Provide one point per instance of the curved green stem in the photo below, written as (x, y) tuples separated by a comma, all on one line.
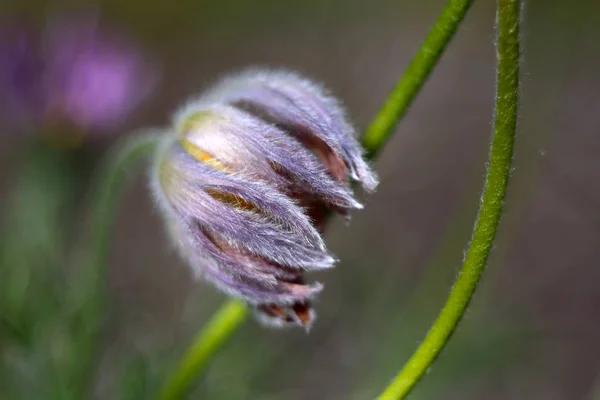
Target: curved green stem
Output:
[(110, 182), (87, 298), (209, 340), (374, 139), (490, 208), (417, 72)]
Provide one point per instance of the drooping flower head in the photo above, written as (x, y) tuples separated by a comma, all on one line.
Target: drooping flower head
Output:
[(245, 180)]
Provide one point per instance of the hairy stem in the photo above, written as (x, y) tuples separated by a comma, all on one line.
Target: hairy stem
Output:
[(374, 139), (87, 300), (490, 208), (417, 72), (209, 340)]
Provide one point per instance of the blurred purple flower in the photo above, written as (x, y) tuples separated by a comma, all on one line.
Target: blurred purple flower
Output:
[(93, 77), (74, 72)]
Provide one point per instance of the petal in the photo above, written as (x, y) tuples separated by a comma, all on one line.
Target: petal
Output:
[(300, 313), (235, 279), (279, 231), (305, 109), (242, 143)]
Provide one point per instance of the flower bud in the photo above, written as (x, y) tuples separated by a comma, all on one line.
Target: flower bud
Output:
[(245, 180)]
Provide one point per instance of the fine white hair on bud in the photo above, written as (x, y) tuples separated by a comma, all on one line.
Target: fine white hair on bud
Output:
[(245, 178)]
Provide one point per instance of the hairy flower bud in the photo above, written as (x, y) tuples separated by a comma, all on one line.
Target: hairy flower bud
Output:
[(245, 180)]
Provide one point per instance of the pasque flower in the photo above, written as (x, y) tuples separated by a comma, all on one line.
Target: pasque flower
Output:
[(244, 180), (71, 71), (94, 77)]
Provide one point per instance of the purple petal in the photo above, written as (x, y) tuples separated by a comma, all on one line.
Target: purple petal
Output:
[(256, 289), (303, 107), (255, 149), (287, 238)]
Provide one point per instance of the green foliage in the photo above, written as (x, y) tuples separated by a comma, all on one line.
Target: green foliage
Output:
[(31, 269), (50, 323)]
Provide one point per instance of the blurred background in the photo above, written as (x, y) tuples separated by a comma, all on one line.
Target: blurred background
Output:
[(532, 330)]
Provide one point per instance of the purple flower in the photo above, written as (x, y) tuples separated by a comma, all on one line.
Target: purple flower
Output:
[(244, 179), (94, 78), (74, 72)]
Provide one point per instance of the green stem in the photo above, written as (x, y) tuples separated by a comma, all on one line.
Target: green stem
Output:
[(374, 139), (87, 297), (490, 208), (209, 340), (118, 166), (417, 72)]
